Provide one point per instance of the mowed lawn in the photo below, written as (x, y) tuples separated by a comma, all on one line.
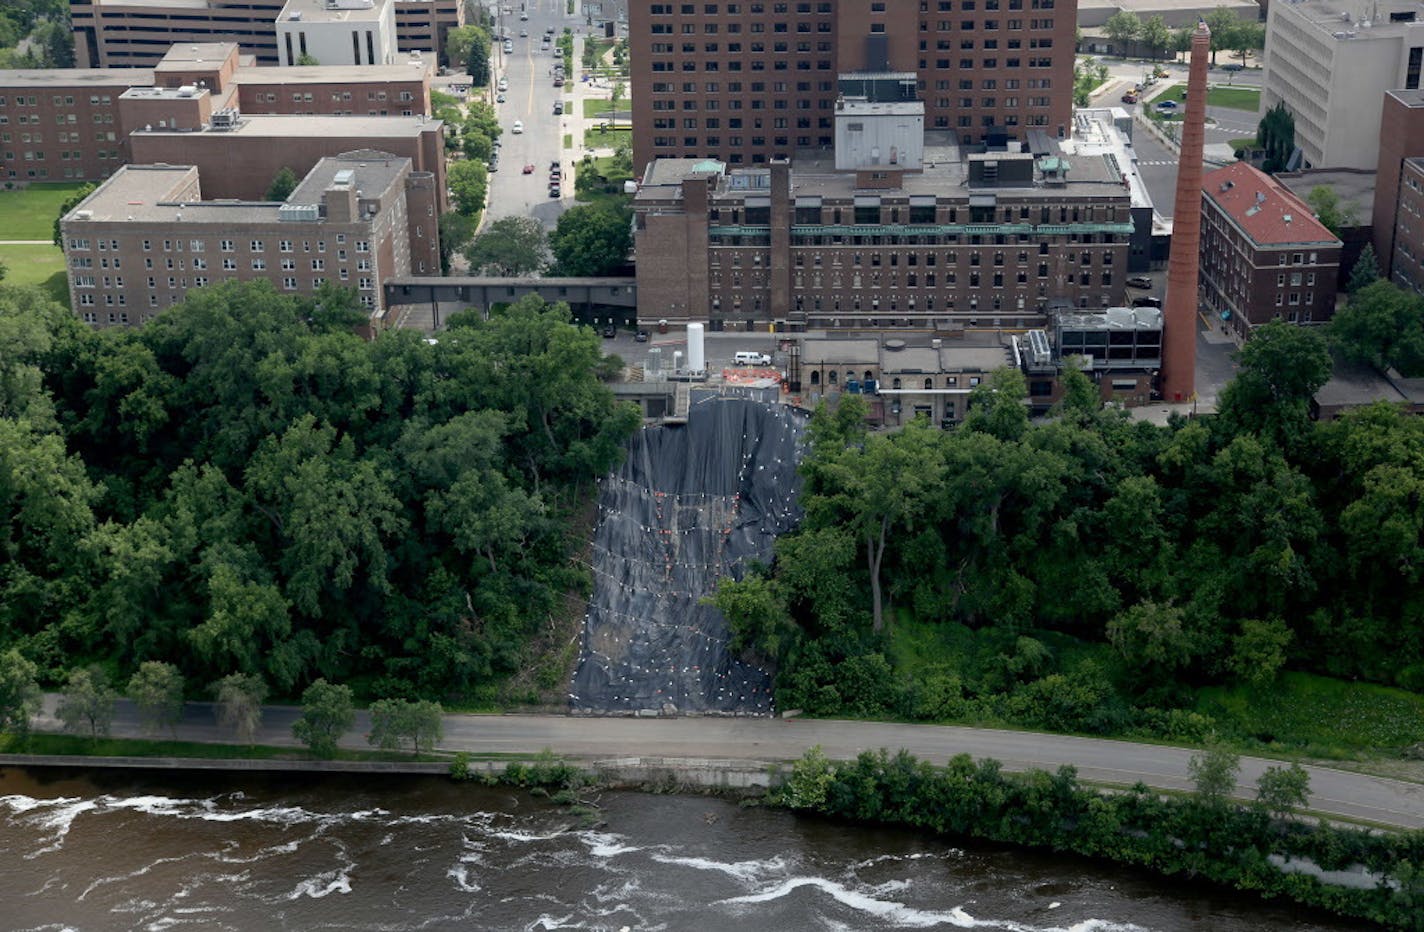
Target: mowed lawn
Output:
[(36, 265), (28, 213), (1236, 98)]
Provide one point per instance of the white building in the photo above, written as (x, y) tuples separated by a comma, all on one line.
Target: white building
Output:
[(1331, 62), (337, 32)]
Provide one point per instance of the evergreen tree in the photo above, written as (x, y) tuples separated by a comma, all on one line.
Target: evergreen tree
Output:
[(1365, 271)]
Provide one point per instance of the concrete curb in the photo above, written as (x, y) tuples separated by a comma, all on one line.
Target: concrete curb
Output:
[(217, 763)]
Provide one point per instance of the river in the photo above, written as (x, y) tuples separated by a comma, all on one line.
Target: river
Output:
[(158, 851)]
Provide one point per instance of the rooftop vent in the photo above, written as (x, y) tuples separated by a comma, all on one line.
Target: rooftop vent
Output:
[(1227, 185), (1287, 218)]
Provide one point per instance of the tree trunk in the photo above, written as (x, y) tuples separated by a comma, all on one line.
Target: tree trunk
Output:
[(874, 553)]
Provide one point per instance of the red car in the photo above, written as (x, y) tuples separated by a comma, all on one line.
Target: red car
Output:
[(529, 169)]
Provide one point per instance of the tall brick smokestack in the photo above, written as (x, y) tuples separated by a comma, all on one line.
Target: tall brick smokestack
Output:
[(1179, 339)]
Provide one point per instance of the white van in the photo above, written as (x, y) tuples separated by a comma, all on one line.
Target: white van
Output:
[(749, 358)]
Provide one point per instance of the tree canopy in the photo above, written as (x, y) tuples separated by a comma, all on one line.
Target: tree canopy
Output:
[(511, 246), (243, 486), (591, 240)]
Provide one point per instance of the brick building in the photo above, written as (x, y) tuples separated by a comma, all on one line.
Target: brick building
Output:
[(137, 33), (146, 236), (962, 240), (1401, 138), (749, 80), (75, 123), (1264, 256)]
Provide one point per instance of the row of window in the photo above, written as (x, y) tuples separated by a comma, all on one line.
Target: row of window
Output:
[(364, 283), (804, 87), (823, 7), (22, 100), (227, 245), (931, 280)]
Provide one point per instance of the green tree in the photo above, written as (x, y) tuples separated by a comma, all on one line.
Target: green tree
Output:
[(20, 696), (1123, 27), (1326, 206), (156, 690), (468, 181), (1282, 366), (1259, 650), (1156, 36), (282, 186), (307, 60), (756, 615), (396, 720), (1365, 271), (4, 270), (239, 704), (1382, 325), (1248, 37), (591, 240), (1213, 773), (1223, 25), (69, 204), (996, 405), (87, 703), (477, 62), (1281, 791), (1182, 39), (510, 247), (327, 713), (1153, 637), (1275, 134), (456, 231), (458, 43)]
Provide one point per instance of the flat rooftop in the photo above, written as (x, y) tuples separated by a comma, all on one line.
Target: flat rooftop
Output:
[(303, 125), (372, 174), (184, 55), (1113, 318), (1355, 187), (75, 77), (1360, 21), (333, 11), (975, 352)]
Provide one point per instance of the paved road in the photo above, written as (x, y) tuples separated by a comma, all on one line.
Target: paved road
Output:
[(1334, 792)]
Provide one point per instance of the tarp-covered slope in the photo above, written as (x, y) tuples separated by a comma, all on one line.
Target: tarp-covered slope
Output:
[(690, 504)]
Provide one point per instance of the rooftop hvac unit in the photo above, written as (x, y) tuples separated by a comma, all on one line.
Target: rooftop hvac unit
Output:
[(1039, 353), (223, 119)]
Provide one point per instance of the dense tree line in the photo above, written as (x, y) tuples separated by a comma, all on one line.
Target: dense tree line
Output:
[(1215, 550), (1203, 836), (243, 486)]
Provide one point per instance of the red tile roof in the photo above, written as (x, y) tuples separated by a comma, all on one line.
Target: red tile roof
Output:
[(1260, 205)]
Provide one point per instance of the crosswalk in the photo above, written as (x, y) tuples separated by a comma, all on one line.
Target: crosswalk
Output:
[(1159, 162)]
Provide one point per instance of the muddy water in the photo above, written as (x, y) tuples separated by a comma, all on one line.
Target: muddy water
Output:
[(211, 851)]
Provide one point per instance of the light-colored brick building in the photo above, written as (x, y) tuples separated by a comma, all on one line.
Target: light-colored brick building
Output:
[(75, 123), (146, 236)]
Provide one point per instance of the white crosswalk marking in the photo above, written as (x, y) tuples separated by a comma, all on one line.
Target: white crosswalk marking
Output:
[(1160, 162)]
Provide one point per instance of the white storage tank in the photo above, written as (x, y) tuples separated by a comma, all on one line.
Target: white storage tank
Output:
[(677, 360), (696, 352)]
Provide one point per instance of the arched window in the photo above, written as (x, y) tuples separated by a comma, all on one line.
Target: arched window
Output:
[(869, 375), (815, 377), (832, 377), (895, 383), (929, 383)]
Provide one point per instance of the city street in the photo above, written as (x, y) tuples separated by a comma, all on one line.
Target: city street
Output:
[(530, 100)]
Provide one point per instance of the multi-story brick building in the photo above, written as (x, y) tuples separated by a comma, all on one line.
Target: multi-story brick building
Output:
[(75, 123), (959, 240), (146, 237), (1264, 256), (1406, 263), (137, 33), (748, 80)]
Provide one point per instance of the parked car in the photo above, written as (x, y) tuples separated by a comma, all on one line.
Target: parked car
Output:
[(641, 336), (609, 332), (558, 108), (1166, 105), (1139, 281), (523, 33), (1234, 66), (529, 169), (558, 82), (503, 85), (524, 17), (508, 47), (500, 98), (750, 358), (555, 191), (1146, 301), (517, 128)]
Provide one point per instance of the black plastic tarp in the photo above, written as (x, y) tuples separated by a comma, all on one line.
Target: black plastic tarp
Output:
[(690, 505)]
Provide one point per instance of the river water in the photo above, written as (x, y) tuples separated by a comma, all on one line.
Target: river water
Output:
[(159, 851)]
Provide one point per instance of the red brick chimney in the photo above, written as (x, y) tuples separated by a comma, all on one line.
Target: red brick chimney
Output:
[(1179, 338)]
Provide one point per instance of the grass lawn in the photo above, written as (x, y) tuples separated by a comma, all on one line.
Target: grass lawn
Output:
[(607, 139), (1245, 142), (29, 212), (1237, 98), (592, 108), (1319, 716), (37, 265), (602, 166), (568, 140)]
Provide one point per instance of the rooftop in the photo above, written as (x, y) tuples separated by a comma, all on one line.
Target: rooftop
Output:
[(184, 55), (1264, 209), (57, 78), (405, 70), (1353, 186), (983, 352), (372, 173), (858, 106), (1112, 318), (302, 125), (332, 11), (1360, 20)]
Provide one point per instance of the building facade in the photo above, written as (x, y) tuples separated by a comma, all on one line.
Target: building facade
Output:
[(146, 237), (1406, 262), (966, 241), (743, 82), (138, 33), (1264, 256), (337, 32), (1401, 138), (1331, 62), (75, 123)]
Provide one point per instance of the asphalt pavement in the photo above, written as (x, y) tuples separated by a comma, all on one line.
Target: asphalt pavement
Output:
[(1333, 792)]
